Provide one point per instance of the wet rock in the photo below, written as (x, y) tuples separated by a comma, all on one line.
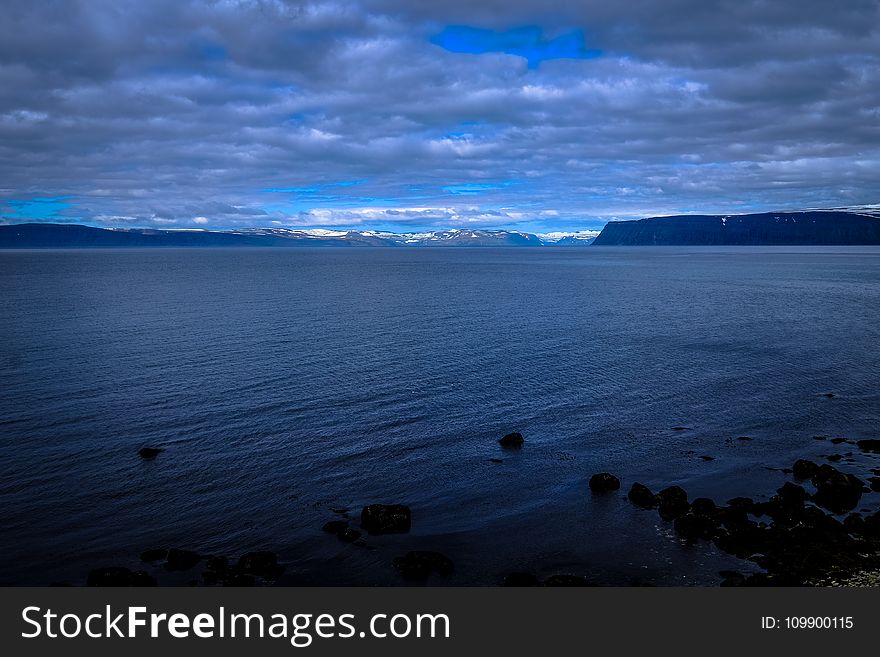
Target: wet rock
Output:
[(743, 503), (836, 491), (869, 445), (419, 564), (261, 564), (672, 502), (348, 535), (837, 441), (854, 523), (117, 576), (157, 554), (217, 564), (341, 511), (804, 469), (181, 559), (514, 439), (834, 458), (734, 518), (792, 494), (703, 506), (566, 580), (496, 460), (875, 484), (744, 438), (604, 482), (641, 496), (149, 453), (680, 428), (830, 395), (521, 579), (693, 527), (872, 525), (706, 457), (335, 527), (386, 518)]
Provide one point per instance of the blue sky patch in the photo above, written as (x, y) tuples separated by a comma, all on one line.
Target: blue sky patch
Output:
[(528, 42)]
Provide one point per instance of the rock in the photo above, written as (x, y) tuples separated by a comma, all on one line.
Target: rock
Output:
[(217, 564), (641, 496), (672, 502), (386, 518), (869, 445), (744, 438), (514, 439), (157, 554), (836, 491), (341, 511), (834, 458), (521, 579), (604, 482), (830, 395), (566, 580), (854, 523), (261, 564), (792, 494), (496, 460), (875, 484), (703, 506), (692, 527), (335, 527), (181, 559), (837, 441), (872, 525), (117, 576), (744, 503), (418, 564), (706, 457), (348, 535), (804, 469), (679, 428), (149, 453)]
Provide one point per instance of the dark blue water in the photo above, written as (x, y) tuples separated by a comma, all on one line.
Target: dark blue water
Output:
[(285, 383)]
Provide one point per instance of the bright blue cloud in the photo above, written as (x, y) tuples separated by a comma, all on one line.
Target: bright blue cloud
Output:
[(527, 42), (41, 208)]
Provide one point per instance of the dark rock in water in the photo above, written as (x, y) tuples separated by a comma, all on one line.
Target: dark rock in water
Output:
[(837, 441), (703, 506), (804, 469), (386, 518), (680, 428), (820, 437), (872, 525), (604, 482), (641, 496), (869, 445), (706, 457), (830, 395), (514, 439), (744, 503), (261, 564), (418, 564), (116, 576), (348, 535), (566, 580), (744, 437), (875, 484), (673, 502), (157, 554), (854, 523), (733, 518), (834, 458), (792, 494), (692, 527), (836, 491), (335, 527), (217, 564), (496, 460), (521, 579), (340, 511), (149, 453), (181, 559)]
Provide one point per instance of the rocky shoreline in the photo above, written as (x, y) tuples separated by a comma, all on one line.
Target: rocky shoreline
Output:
[(810, 533)]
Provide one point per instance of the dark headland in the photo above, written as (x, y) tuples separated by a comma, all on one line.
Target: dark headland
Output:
[(819, 227)]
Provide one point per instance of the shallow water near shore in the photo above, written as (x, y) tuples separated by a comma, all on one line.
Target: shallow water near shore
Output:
[(284, 384)]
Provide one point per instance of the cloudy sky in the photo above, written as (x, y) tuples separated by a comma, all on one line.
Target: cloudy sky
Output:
[(400, 114)]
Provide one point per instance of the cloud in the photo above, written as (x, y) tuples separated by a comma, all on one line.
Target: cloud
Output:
[(393, 113)]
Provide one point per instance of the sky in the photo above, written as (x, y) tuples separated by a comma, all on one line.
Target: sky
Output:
[(402, 115)]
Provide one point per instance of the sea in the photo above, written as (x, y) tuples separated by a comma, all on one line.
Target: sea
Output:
[(290, 387)]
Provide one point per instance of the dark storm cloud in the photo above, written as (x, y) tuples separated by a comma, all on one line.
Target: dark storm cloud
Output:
[(241, 112)]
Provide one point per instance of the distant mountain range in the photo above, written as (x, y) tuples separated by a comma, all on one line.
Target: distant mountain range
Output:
[(34, 236), (856, 226), (839, 226)]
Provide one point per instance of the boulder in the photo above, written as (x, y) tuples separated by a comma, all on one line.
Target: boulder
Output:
[(386, 518), (792, 495), (836, 491), (672, 502), (149, 453), (869, 445), (641, 496), (181, 559), (335, 527), (514, 439), (692, 527), (348, 535), (804, 469), (604, 482), (261, 564), (703, 506), (156, 554)]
